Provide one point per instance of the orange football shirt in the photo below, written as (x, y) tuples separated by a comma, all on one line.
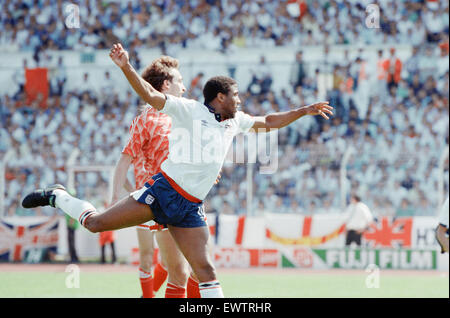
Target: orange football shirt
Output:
[(148, 144)]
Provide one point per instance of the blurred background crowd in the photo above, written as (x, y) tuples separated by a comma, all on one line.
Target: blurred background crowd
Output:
[(37, 25), (392, 111)]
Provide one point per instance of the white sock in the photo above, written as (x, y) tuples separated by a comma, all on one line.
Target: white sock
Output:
[(75, 208), (143, 274), (210, 289)]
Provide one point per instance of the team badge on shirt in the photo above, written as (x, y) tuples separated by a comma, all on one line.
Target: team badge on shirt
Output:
[(149, 199)]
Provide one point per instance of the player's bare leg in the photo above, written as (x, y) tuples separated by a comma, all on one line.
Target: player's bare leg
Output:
[(192, 289), (146, 248), (176, 265), (193, 243), (125, 213), (146, 251)]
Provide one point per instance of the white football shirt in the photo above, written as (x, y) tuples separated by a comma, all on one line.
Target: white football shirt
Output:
[(198, 143), (443, 215), (359, 216)]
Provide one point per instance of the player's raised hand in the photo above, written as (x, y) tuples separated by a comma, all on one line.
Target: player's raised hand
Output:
[(119, 55), (322, 109)]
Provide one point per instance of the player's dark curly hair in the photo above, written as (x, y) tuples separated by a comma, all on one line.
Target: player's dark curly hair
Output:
[(216, 85), (159, 71)]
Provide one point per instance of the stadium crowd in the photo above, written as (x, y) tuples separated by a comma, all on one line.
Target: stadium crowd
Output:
[(36, 25), (392, 112)]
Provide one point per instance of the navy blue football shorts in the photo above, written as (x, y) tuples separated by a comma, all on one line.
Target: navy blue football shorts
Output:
[(169, 203)]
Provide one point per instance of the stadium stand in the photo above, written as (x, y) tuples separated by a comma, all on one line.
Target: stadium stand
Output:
[(390, 88)]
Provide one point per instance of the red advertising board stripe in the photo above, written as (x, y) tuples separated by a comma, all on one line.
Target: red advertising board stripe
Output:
[(20, 231), (246, 257), (18, 247), (240, 230), (254, 257), (17, 253), (306, 226)]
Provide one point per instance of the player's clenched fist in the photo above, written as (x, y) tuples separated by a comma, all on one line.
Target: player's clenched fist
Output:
[(119, 55)]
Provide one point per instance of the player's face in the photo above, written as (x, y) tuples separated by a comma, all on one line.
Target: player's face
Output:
[(176, 86), (231, 103)]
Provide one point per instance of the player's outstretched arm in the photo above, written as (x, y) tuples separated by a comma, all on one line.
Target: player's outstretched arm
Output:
[(282, 119), (146, 91)]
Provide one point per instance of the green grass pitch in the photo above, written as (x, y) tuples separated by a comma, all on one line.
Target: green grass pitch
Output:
[(282, 283)]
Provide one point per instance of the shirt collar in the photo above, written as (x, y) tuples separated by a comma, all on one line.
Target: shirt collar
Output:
[(213, 111)]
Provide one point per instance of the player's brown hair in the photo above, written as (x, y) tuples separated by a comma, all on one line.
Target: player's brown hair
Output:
[(159, 71)]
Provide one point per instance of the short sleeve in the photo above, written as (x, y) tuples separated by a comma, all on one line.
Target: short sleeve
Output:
[(178, 108), (245, 122)]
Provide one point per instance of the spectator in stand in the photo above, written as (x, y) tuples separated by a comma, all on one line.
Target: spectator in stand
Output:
[(58, 78), (298, 71), (434, 23), (86, 86), (362, 93), (427, 64), (393, 68), (261, 77), (378, 78), (412, 63), (183, 23), (19, 79)]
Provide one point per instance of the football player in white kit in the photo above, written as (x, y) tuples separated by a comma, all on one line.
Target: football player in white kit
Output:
[(174, 196)]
